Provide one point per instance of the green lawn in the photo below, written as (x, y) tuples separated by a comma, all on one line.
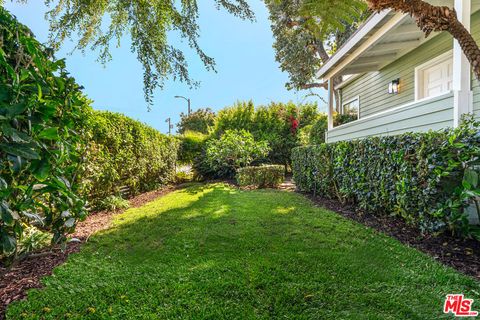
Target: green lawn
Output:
[(213, 252)]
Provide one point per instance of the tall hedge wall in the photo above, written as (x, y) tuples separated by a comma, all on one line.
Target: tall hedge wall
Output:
[(55, 152), (40, 105), (423, 178), (123, 152)]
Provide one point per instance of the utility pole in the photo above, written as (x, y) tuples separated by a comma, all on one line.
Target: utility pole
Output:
[(170, 126), (188, 101)]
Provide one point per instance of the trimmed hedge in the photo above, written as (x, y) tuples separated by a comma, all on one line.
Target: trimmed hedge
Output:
[(425, 178), (123, 152), (55, 151), (262, 176), (191, 146)]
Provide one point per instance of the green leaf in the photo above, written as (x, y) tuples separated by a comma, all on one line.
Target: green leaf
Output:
[(8, 243), (43, 170), (15, 110), (70, 223), (471, 176), (20, 150), (49, 134), (3, 184)]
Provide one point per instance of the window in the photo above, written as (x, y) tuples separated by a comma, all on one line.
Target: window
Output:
[(434, 77), (351, 108)]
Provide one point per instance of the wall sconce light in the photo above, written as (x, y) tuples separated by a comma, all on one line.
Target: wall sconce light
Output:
[(394, 87)]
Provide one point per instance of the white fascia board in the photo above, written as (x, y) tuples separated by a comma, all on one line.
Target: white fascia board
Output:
[(357, 37)]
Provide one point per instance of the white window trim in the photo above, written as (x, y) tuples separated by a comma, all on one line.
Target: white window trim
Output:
[(418, 74), (350, 101)]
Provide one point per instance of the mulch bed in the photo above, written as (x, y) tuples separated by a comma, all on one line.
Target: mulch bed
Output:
[(26, 274), (463, 255)]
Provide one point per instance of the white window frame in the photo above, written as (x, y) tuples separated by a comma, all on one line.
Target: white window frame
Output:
[(350, 101), (419, 74)]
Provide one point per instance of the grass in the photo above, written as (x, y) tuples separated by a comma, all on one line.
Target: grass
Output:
[(213, 252)]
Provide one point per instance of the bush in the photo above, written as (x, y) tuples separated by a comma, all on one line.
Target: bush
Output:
[(55, 151), (317, 133), (277, 123), (421, 177), (126, 153), (40, 151), (261, 177), (235, 149), (114, 203), (198, 121), (191, 146)]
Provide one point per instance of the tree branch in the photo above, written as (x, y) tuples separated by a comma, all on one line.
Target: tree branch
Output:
[(323, 85)]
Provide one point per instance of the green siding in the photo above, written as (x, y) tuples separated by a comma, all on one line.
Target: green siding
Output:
[(475, 82), (433, 114), (372, 87)]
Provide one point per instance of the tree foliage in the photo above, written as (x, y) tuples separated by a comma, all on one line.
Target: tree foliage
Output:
[(55, 151), (307, 33), (150, 25), (200, 121)]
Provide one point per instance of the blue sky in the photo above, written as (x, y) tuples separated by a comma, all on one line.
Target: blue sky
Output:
[(243, 52)]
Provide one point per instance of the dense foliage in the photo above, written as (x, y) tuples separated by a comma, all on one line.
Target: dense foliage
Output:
[(40, 105), (233, 150), (425, 178), (316, 133), (307, 33), (277, 123), (56, 152), (123, 152), (266, 176), (191, 146), (200, 121)]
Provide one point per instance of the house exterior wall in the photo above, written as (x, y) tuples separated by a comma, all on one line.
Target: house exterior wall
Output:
[(434, 114), (378, 109), (475, 82), (372, 87)]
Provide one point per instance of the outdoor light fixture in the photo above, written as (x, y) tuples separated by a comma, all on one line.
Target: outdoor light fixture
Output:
[(394, 87)]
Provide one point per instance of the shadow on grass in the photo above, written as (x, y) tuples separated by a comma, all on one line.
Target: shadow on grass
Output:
[(212, 252)]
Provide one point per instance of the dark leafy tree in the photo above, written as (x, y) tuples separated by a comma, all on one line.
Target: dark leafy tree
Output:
[(306, 35)]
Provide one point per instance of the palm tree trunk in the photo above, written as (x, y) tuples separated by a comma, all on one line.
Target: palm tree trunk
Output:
[(432, 18)]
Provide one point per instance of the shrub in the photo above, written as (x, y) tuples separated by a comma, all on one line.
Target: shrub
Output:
[(235, 149), (55, 151), (39, 149), (199, 121), (317, 133), (277, 123), (421, 177), (262, 176), (124, 152), (191, 145), (114, 203), (33, 239)]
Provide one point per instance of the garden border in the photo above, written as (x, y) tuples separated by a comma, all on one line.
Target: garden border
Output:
[(461, 254), (27, 273)]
